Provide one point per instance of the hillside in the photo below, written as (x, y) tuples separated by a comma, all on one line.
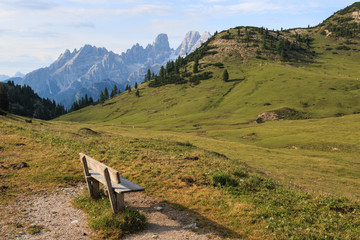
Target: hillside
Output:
[(312, 74), (300, 74), (23, 101)]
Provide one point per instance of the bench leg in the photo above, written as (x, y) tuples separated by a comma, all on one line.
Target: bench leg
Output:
[(120, 204), (111, 192), (95, 189)]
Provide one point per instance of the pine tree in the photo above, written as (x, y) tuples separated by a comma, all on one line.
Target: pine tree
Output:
[(137, 93), (196, 66), (148, 75), (4, 99), (225, 75), (86, 101), (162, 73), (136, 85), (114, 91), (106, 93), (102, 97)]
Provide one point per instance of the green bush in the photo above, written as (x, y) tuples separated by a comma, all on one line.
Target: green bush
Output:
[(224, 180)]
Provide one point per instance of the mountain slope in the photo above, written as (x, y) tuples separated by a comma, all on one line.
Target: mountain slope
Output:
[(23, 101), (76, 73), (81, 69)]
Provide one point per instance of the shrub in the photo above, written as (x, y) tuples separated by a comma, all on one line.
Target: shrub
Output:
[(224, 180)]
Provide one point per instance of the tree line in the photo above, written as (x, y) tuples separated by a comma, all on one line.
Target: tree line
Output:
[(87, 101), (168, 74), (23, 101)]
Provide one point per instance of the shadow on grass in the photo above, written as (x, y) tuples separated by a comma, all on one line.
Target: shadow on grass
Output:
[(236, 80)]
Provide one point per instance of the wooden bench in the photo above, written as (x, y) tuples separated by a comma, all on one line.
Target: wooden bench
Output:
[(97, 172)]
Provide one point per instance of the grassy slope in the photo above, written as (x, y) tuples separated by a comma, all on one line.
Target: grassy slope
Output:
[(325, 88), (248, 206), (215, 114)]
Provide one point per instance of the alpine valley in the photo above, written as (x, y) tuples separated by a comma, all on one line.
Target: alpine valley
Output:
[(255, 134)]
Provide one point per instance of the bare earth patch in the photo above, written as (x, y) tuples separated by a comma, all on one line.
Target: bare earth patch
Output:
[(165, 222), (52, 216)]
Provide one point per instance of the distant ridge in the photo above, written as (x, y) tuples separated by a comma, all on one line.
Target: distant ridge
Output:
[(90, 69)]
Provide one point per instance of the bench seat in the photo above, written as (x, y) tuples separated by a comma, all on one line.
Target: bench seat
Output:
[(124, 186)]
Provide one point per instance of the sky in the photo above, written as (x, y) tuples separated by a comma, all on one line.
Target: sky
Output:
[(33, 33)]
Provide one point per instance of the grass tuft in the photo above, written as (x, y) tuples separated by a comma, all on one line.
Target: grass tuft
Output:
[(34, 229), (224, 180), (107, 224)]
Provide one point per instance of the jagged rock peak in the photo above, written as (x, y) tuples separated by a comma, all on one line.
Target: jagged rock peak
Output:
[(191, 41), (204, 37), (88, 49), (162, 42)]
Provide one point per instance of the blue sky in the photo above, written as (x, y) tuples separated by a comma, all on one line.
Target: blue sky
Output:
[(33, 33)]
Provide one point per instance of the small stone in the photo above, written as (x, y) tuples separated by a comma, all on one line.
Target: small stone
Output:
[(84, 234), (19, 165), (155, 236), (158, 208), (75, 222), (191, 226)]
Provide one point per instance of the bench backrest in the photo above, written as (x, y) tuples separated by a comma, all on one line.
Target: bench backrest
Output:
[(100, 167)]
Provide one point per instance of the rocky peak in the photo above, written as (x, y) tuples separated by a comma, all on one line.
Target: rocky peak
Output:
[(161, 43), (204, 37), (191, 41)]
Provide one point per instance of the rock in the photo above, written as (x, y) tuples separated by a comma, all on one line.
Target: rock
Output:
[(3, 167), (75, 222), (3, 188), (191, 226), (155, 236), (267, 116), (158, 208), (191, 42), (19, 165)]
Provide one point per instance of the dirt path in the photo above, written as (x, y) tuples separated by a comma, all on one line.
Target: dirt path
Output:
[(58, 219), (55, 215)]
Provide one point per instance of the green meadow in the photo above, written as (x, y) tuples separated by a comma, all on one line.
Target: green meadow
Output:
[(199, 147)]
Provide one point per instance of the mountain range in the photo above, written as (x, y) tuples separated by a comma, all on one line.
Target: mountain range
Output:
[(90, 69), (17, 76)]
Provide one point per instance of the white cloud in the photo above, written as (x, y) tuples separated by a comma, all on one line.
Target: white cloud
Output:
[(82, 25), (28, 4)]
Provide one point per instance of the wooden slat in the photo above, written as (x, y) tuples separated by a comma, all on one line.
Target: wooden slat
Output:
[(100, 167), (123, 187)]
